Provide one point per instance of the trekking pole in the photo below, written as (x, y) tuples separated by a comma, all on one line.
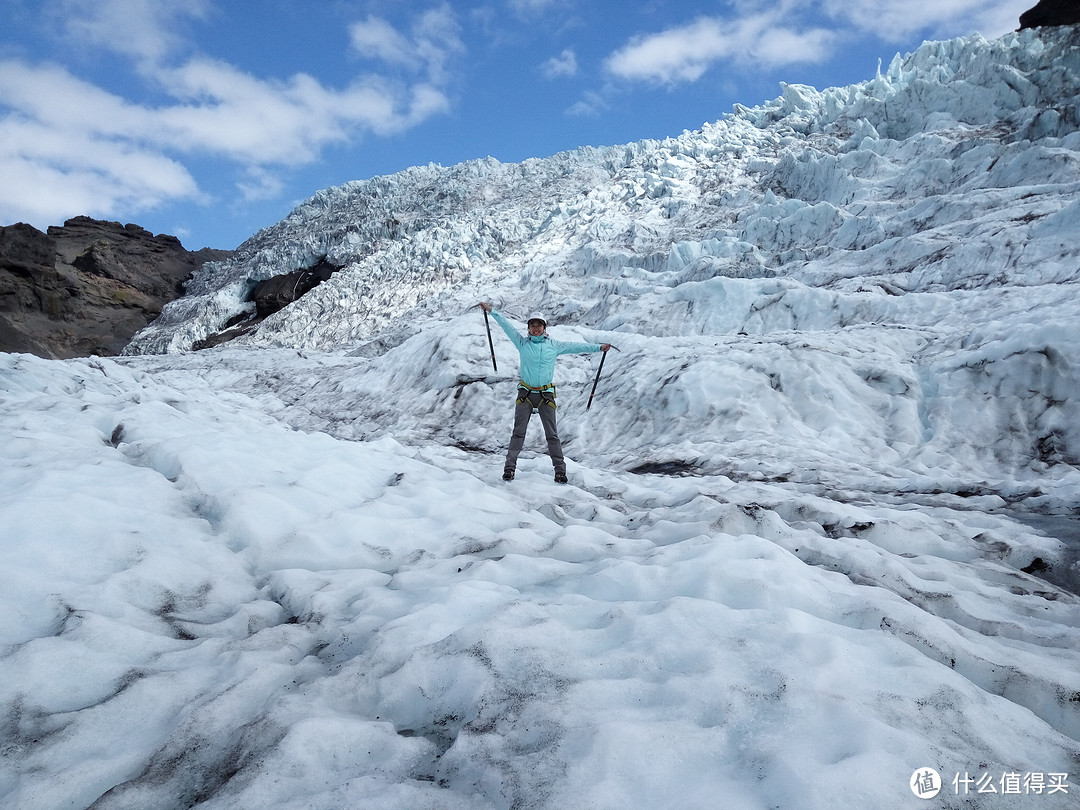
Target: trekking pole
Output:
[(491, 344), (597, 380)]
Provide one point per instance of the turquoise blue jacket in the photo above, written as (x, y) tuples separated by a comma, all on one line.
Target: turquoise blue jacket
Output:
[(538, 354)]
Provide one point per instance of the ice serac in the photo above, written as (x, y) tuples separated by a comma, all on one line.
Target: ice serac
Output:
[(896, 256), (945, 171)]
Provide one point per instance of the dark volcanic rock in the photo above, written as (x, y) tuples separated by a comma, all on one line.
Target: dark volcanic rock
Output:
[(1051, 12), (87, 287), (270, 296), (278, 292)]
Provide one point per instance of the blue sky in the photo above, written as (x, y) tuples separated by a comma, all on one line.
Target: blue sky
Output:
[(211, 119)]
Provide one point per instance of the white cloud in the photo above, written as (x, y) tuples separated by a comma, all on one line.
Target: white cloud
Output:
[(375, 38), (533, 7), (438, 39), (685, 53), (428, 48), (591, 104), (257, 122), (259, 184), (147, 30), (70, 146), (782, 34), (895, 20), (786, 47), (48, 173), (52, 97), (563, 65)]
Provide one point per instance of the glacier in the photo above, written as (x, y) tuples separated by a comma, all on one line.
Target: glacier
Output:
[(823, 526)]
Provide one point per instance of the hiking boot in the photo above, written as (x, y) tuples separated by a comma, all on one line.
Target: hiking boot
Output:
[(560, 478), (508, 475)]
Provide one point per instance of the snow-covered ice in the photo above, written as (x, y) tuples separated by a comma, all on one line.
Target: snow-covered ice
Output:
[(205, 607), (822, 526)]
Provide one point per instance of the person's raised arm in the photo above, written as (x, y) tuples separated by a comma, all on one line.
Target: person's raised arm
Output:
[(506, 326), (580, 348)]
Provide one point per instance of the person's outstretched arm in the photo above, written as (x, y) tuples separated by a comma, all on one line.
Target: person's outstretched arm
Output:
[(580, 348), (507, 327)]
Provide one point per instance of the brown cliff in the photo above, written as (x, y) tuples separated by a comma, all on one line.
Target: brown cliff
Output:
[(87, 287)]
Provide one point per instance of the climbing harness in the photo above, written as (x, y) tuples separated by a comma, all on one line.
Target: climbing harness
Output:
[(536, 395)]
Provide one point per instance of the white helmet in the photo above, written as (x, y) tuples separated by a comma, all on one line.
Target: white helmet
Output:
[(537, 317)]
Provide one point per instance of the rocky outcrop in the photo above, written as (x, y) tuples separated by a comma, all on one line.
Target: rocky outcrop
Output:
[(270, 296), (87, 287), (1051, 12), (278, 292)]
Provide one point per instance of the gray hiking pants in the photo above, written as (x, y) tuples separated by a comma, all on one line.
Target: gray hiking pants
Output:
[(545, 405)]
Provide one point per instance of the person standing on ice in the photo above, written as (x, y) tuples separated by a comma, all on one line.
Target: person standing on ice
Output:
[(536, 390)]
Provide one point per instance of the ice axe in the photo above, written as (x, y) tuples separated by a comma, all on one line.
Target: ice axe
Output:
[(597, 380), (491, 343)]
